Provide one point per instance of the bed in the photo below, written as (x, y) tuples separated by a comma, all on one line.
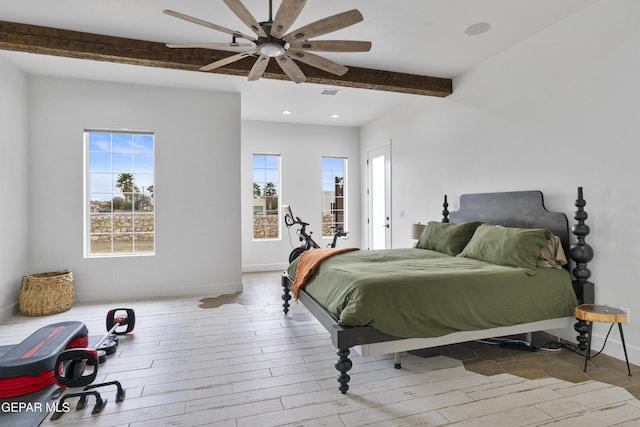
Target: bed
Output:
[(454, 288)]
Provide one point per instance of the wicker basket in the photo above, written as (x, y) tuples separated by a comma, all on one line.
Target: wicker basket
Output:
[(47, 293)]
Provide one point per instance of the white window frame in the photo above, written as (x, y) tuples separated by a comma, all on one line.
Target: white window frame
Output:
[(147, 197), (328, 234), (278, 195)]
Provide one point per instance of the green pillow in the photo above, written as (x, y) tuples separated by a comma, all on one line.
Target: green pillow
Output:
[(447, 238), (514, 247)]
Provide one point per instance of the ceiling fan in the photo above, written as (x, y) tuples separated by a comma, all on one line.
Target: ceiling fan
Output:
[(273, 40)]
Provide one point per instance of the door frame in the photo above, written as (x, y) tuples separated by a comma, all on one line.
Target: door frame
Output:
[(384, 150)]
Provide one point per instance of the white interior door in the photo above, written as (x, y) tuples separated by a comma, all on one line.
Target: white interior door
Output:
[(379, 198)]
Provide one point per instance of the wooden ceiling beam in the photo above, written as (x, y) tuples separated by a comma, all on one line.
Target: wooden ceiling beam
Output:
[(74, 44)]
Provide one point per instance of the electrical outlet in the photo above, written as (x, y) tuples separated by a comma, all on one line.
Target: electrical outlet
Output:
[(628, 311)]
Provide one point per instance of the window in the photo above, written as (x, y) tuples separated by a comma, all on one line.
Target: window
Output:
[(266, 192), (333, 195), (119, 193)]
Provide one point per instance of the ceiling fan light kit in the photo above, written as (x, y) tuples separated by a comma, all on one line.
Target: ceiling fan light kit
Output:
[(273, 41), (271, 49)]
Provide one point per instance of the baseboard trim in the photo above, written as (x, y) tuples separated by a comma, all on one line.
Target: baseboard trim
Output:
[(8, 311), (203, 290), (258, 268)]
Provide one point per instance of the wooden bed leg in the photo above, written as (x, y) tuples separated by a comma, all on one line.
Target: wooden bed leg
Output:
[(396, 361), (286, 294), (445, 211), (343, 365), (581, 253)]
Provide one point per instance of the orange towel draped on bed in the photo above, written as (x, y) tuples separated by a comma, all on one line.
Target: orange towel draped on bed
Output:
[(309, 262)]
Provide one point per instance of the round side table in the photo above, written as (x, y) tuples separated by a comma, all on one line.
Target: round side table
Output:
[(605, 314)]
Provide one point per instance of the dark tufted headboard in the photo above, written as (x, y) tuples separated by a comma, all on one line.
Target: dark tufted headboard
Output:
[(523, 209)]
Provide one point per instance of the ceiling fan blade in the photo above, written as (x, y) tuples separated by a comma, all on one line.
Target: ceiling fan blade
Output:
[(332, 45), (326, 25), (291, 69), (317, 61), (207, 45), (286, 16), (245, 16), (258, 68), (227, 60), (207, 24)]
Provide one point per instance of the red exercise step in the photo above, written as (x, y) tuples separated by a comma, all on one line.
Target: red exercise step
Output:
[(28, 367)]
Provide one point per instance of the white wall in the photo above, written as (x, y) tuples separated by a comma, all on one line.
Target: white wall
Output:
[(301, 148), (14, 148), (197, 183), (555, 112)]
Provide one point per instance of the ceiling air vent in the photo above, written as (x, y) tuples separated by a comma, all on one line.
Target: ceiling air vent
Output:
[(331, 92)]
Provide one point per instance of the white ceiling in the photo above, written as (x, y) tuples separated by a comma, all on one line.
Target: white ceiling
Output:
[(425, 37)]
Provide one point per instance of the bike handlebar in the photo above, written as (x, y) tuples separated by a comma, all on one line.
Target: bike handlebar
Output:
[(301, 222)]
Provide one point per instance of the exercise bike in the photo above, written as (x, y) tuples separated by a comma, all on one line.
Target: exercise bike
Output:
[(306, 240)]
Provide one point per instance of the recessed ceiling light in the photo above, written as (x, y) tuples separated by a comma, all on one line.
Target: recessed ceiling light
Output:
[(335, 116), (286, 112), (477, 29)]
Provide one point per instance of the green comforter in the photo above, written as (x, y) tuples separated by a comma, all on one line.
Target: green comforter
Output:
[(418, 293)]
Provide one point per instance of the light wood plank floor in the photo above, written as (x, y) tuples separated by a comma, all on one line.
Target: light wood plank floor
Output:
[(238, 361)]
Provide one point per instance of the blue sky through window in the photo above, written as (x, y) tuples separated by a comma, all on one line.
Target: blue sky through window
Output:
[(266, 169), (112, 154), (331, 167)]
